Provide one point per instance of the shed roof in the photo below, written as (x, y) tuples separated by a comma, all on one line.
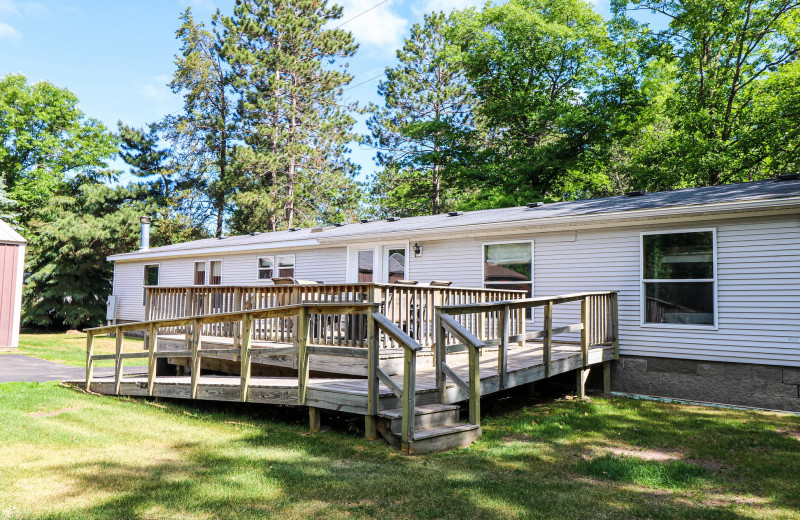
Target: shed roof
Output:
[(709, 199), (9, 236)]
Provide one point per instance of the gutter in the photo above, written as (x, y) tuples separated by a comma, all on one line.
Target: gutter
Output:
[(154, 254)]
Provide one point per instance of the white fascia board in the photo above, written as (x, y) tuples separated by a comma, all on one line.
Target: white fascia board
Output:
[(724, 210), (154, 255)]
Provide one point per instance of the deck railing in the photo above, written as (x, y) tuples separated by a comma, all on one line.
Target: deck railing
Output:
[(303, 347), (597, 324), (409, 307)]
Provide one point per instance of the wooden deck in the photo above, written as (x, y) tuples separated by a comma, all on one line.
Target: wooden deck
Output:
[(525, 365), (488, 352)]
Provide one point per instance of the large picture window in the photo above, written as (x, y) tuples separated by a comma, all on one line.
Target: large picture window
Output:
[(509, 266), (679, 278)]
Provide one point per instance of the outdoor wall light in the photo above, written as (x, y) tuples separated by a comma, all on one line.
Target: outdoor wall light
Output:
[(417, 249)]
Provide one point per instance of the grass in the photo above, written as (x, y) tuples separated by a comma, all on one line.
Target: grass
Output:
[(70, 349), (65, 454)]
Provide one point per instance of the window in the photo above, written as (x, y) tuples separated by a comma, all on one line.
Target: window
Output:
[(150, 279), (509, 266), (199, 273), (396, 268), (151, 275), (679, 278), (286, 266), (216, 272), (265, 267), (366, 265)]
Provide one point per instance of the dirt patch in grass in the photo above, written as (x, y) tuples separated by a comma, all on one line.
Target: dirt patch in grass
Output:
[(789, 433), (54, 413), (660, 455)]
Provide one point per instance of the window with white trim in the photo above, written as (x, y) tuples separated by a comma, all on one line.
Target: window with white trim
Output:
[(266, 267), (285, 265), (200, 273), (679, 278), (509, 266)]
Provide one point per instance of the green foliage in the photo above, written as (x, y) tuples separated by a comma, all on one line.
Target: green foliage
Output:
[(531, 64), (732, 112), (85, 223), (287, 71), (44, 136), (6, 204), (424, 133)]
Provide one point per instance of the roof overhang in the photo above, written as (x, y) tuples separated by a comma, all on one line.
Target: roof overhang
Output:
[(723, 210)]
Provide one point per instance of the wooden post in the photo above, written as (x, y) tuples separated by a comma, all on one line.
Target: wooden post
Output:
[(314, 419), (148, 304), (547, 345), (152, 336), (474, 386), (440, 357), (89, 360), (237, 306), (245, 356), (481, 330), (615, 324), (409, 400), (196, 359), (502, 350), (585, 331), (188, 310), (583, 375), (118, 361), (373, 359), (301, 342), (438, 298), (606, 377)]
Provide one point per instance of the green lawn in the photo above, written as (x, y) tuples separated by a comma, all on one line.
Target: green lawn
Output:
[(65, 454), (70, 349)]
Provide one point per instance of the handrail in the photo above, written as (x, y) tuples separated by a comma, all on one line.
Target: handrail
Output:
[(598, 326), (524, 303), (409, 393)]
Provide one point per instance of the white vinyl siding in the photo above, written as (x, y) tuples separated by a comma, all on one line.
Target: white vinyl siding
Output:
[(758, 283)]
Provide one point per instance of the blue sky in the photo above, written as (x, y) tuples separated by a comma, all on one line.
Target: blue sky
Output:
[(117, 55)]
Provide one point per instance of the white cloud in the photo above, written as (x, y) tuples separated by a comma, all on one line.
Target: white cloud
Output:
[(8, 7), (8, 32), (379, 27), (156, 89)]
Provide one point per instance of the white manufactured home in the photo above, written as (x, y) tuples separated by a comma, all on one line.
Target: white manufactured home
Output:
[(707, 279)]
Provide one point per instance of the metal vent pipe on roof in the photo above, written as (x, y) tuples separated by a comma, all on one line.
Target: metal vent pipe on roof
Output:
[(144, 233)]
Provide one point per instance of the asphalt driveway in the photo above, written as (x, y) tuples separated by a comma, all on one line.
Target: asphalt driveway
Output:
[(15, 367)]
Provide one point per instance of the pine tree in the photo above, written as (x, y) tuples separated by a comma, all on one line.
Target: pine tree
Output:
[(424, 131), (287, 68), (202, 135)]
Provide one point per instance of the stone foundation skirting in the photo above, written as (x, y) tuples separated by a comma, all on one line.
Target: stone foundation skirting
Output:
[(762, 386)]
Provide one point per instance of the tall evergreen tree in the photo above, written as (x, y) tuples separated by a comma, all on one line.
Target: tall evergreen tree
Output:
[(287, 68), (424, 130), (203, 133)]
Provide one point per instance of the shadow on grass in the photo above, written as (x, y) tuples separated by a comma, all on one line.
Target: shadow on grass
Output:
[(531, 463)]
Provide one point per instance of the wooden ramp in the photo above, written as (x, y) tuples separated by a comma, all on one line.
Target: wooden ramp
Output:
[(410, 406)]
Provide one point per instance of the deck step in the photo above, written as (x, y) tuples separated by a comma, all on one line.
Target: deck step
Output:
[(427, 416), (436, 428)]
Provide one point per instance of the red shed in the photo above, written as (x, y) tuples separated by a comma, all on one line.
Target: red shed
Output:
[(12, 262)]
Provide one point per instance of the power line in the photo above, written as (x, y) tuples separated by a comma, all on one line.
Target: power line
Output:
[(363, 82), (361, 14)]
